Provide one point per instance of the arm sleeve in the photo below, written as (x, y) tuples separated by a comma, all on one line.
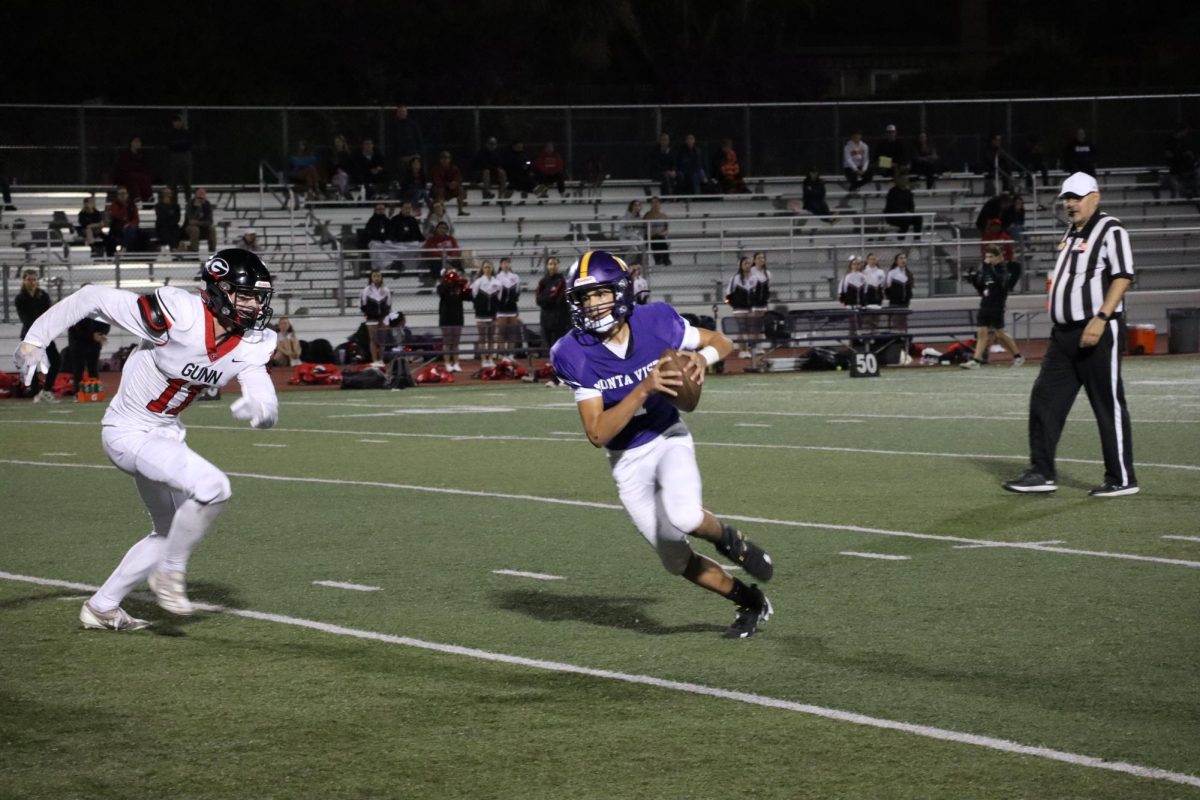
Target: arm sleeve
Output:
[(256, 384), (141, 315), (1120, 255), (847, 161)]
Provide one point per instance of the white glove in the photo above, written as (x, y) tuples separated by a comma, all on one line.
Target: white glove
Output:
[(259, 415), (30, 359)]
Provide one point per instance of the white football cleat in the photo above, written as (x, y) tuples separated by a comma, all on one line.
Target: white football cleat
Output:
[(116, 620), (170, 589)]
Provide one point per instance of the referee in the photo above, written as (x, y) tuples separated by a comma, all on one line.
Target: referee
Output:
[(1092, 273)]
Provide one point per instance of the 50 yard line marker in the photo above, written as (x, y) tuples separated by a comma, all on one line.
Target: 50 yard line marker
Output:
[(926, 731)]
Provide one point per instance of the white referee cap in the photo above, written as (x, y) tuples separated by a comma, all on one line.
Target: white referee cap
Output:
[(1080, 185)]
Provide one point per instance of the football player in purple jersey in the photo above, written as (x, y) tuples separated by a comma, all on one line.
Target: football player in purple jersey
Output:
[(610, 360)]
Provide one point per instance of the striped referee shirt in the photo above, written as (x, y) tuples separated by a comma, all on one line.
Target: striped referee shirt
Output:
[(1088, 260)]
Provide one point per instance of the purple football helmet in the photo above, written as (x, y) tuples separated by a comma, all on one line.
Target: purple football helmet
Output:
[(597, 270)]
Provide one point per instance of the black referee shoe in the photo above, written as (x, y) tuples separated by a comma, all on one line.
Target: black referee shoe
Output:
[(1107, 489), (1031, 481)]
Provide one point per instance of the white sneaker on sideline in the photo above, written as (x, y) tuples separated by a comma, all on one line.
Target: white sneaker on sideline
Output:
[(115, 620), (170, 589), (45, 396), (1018, 360)]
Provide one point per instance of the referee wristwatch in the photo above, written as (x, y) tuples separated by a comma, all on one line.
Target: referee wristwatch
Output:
[(1103, 316)]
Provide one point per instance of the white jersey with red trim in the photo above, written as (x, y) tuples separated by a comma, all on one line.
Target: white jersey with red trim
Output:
[(179, 356)]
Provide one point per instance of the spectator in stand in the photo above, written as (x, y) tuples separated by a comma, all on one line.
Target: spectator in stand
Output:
[(341, 167), (447, 180), (993, 282), (508, 319), (402, 238), (873, 280), (375, 303), (441, 250), (414, 188), (287, 346), (852, 289), (91, 223), (662, 166), (489, 163), (31, 302), (1035, 160), (167, 215), (248, 241), (551, 297), (891, 156), (484, 292), (856, 161), (994, 232), (548, 168), (995, 207), (814, 195), (760, 294), (123, 219), (898, 284), (375, 229), (519, 168), (84, 342), (452, 291), (739, 288), (926, 161), (133, 172), (1079, 155), (729, 171), (198, 219), (657, 233), (437, 215), (593, 178), (1012, 220), (179, 156), (689, 166), (404, 140), (632, 228), (369, 169), (303, 170), (641, 288), (1183, 168), (901, 206)]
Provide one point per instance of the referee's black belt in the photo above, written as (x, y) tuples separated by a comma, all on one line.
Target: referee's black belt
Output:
[(1075, 326)]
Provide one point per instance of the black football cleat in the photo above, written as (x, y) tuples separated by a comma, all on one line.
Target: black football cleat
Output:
[(745, 553), (748, 618), (1110, 489), (1030, 481)]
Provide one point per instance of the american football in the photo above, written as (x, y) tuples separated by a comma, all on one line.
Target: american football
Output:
[(688, 396)]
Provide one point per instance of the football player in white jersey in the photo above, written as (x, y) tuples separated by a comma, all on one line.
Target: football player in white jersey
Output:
[(189, 343)]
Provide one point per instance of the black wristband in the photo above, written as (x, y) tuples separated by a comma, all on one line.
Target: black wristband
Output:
[(1103, 316)]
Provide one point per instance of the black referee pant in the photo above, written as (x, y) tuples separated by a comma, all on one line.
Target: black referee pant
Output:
[(1066, 368)]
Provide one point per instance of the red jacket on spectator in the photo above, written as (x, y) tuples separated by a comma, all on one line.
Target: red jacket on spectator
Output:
[(122, 213), (548, 164), (445, 176), (435, 245)]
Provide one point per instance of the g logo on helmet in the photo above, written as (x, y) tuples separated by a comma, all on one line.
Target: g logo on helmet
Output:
[(217, 268)]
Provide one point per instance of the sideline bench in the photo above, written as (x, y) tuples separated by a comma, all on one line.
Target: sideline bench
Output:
[(421, 345), (860, 329)]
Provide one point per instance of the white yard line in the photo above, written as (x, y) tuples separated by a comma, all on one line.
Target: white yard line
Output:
[(537, 576), (880, 556), (989, 544), (1184, 538), (408, 487), (374, 441), (58, 454), (487, 437), (837, 715), (354, 587), (751, 425), (268, 444)]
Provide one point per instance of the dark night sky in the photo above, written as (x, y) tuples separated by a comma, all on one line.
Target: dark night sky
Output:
[(508, 51)]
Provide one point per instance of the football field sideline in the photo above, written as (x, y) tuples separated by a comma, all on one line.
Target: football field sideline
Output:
[(926, 731)]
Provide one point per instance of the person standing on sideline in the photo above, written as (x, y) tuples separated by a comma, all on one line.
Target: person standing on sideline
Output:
[(898, 283), (32, 302), (1093, 271), (551, 297), (189, 343), (375, 302), (610, 359), (994, 282)]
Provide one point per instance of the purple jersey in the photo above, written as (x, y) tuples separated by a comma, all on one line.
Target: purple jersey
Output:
[(588, 366)]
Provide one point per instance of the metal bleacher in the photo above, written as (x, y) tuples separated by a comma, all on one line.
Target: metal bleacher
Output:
[(310, 245)]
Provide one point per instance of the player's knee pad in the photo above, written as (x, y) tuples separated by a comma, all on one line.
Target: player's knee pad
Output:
[(675, 556), (212, 487)]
